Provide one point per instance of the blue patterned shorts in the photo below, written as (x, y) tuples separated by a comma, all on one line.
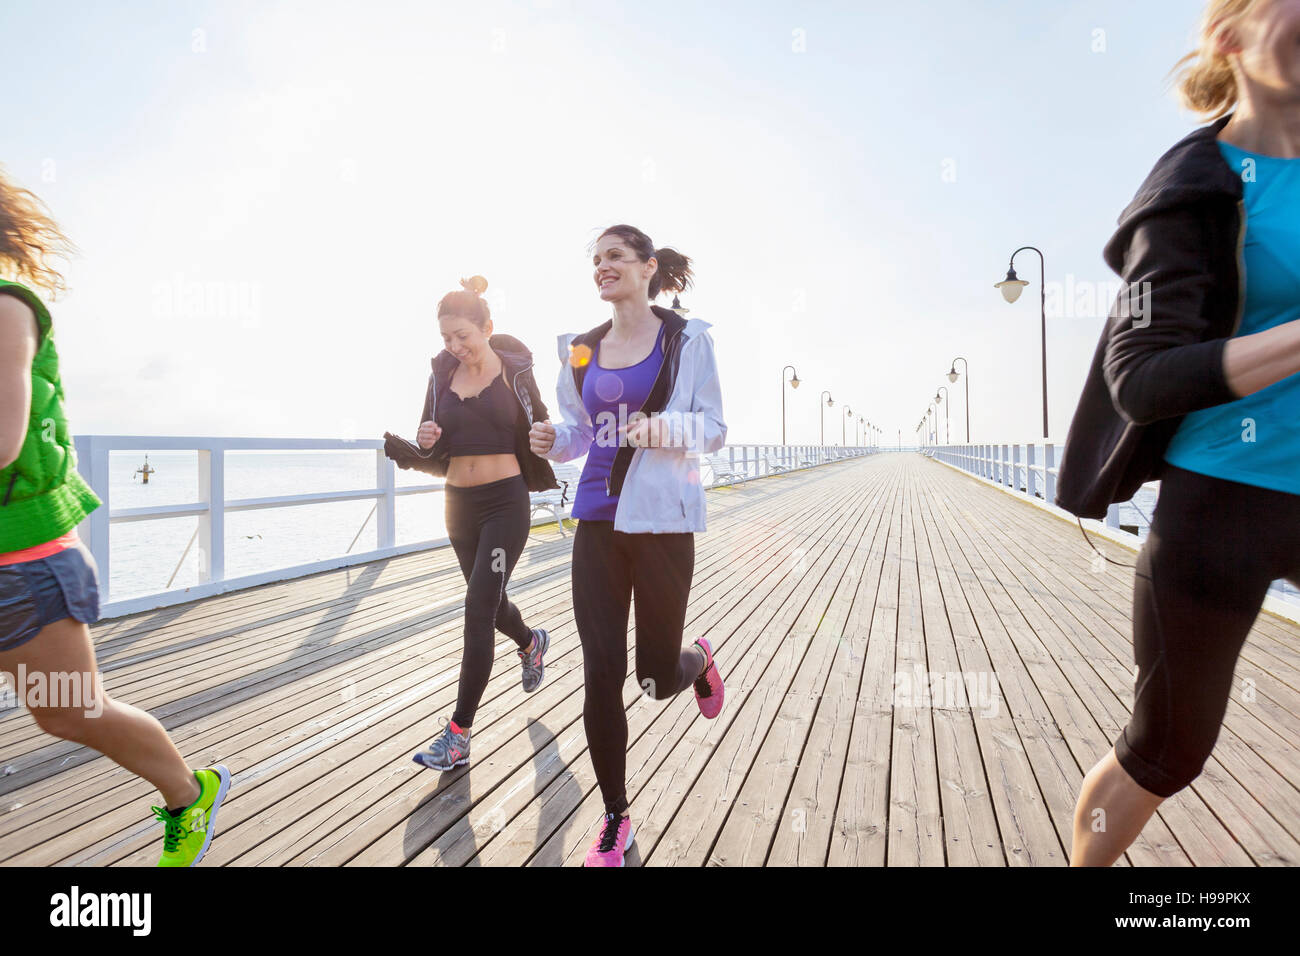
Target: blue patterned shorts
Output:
[(36, 593)]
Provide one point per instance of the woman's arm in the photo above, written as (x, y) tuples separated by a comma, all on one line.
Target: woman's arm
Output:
[(1159, 362), (574, 436), (1254, 362), (18, 333)]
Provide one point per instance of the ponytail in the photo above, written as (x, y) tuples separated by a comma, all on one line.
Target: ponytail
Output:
[(29, 239), (1206, 82)]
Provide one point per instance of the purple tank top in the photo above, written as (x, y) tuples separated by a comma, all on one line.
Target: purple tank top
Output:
[(611, 396)]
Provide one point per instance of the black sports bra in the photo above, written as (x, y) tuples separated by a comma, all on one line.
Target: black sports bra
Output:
[(483, 424)]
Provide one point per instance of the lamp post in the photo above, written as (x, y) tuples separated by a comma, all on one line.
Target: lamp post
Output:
[(830, 403), (844, 438), (953, 375), (947, 414), (1011, 288), (794, 383)]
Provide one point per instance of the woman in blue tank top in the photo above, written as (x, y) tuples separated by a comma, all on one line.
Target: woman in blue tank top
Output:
[(1216, 364)]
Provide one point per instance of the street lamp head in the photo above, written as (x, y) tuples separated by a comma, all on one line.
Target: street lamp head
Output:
[(937, 398), (794, 381), (679, 308), (1011, 286), (953, 375)]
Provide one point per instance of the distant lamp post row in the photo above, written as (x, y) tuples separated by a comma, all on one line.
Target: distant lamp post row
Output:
[(830, 403), (1011, 288)]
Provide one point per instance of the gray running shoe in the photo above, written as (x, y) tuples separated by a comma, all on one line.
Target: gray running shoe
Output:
[(531, 661), (447, 751)]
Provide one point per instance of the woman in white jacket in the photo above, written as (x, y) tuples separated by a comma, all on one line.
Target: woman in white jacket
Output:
[(641, 399)]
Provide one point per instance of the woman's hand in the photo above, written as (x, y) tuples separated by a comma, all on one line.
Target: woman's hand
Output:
[(541, 437), (650, 432), (428, 435)]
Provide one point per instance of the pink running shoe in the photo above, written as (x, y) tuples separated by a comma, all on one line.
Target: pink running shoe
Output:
[(614, 839), (708, 686)]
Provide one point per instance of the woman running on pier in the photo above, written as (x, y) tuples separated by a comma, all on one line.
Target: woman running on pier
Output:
[(639, 500), (479, 404), (1197, 382), (49, 590)]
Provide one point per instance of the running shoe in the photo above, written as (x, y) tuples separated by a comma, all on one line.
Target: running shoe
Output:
[(614, 840), (708, 686), (188, 833), (450, 749), (531, 660)]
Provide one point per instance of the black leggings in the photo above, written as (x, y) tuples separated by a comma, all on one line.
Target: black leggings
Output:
[(608, 568), (488, 526), (1215, 547)]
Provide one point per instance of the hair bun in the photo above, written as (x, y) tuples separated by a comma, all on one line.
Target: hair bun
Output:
[(475, 284)]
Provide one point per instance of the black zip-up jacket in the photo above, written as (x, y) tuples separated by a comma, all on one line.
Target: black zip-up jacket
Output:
[(1183, 234), (518, 364)]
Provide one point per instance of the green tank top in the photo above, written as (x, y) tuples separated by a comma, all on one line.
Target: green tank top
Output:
[(42, 496)]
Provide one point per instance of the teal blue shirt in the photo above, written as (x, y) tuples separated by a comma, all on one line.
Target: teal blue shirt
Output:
[(1256, 440)]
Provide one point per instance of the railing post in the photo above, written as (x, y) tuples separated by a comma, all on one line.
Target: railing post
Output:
[(386, 513), (212, 524), (92, 464), (1015, 467), (1031, 477), (1049, 483)]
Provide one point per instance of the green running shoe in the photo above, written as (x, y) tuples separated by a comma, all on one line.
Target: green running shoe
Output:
[(187, 834)]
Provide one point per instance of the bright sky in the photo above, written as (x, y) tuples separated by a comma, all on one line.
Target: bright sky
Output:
[(269, 198)]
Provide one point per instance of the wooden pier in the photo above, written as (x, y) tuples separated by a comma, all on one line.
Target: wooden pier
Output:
[(816, 588)]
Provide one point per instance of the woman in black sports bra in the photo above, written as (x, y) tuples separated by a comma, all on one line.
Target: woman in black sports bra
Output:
[(478, 408)]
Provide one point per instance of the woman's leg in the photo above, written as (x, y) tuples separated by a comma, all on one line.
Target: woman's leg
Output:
[(467, 518), (602, 595), (124, 734), (509, 525), (1200, 581), (662, 568)]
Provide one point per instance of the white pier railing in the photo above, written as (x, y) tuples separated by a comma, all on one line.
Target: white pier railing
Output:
[(1030, 469), (734, 463)]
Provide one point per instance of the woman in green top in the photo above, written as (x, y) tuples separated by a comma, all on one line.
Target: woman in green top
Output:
[(49, 594)]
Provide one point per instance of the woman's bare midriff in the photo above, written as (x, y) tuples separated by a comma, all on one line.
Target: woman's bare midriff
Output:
[(466, 471)]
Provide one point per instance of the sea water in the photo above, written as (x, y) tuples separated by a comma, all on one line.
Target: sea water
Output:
[(146, 555)]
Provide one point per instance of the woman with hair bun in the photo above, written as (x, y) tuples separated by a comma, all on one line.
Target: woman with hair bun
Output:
[(641, 400), (1196, 381), (49, 584), (479, 404)]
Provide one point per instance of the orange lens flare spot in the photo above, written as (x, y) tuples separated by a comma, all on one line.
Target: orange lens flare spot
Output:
[(579, 355)]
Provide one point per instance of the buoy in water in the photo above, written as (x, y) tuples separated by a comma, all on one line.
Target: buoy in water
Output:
[(145, 470)]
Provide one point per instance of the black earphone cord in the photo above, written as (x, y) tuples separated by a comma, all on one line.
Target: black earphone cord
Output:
[(1095, 548)]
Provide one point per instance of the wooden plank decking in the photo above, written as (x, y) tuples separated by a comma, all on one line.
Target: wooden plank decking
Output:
[(816, 588)]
